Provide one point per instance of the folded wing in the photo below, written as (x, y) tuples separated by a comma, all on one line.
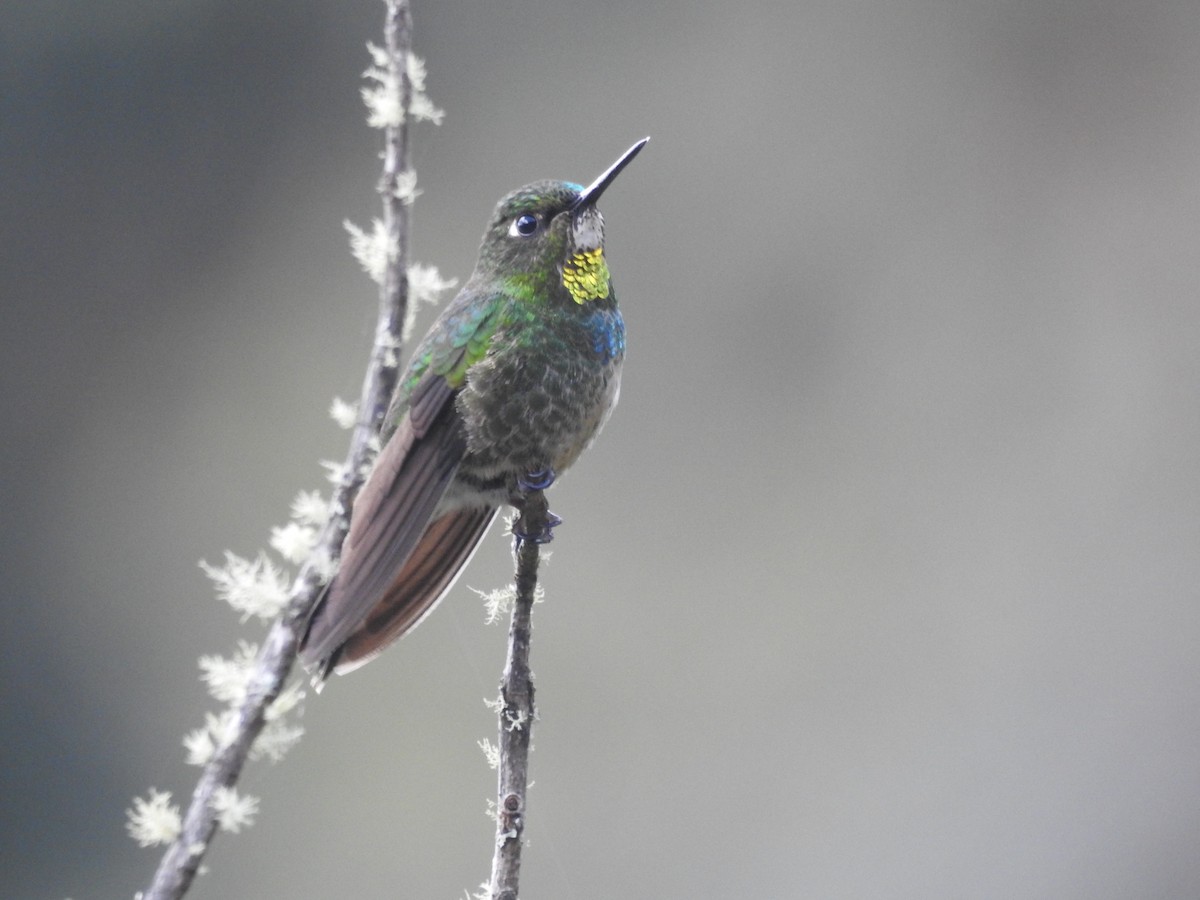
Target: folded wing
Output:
[(396, 564)]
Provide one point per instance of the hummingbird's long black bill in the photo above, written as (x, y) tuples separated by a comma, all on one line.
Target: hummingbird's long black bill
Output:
[(592, 192)]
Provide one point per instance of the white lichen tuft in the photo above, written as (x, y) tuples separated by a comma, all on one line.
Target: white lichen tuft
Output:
[(515, 719), (310, 508), (345, 414), (335, 471), (234, 811), (289, 699), (490, 752), (406, 187), (200, 747), (203, 743), (497, 603), (278, 736), (425, 286), (385, 107), (293, 541), (229, 678), (322, 565), (252, 587), (374, 250), (275, 740), (153, 821), (382, 97), (421, 108)]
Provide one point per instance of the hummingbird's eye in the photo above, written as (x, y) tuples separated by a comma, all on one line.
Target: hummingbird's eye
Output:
[(523, 226)]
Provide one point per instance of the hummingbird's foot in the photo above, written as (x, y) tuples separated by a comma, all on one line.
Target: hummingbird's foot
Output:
[(531, 484), (536, 481), (545, 536)]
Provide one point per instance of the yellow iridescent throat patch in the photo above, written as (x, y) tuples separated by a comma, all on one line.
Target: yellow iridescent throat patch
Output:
[(586, 276)]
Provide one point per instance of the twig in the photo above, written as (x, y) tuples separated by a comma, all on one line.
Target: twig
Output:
[(516, 707), (180, 862)]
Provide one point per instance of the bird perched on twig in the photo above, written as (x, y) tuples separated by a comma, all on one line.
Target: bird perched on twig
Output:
[(512, 382)]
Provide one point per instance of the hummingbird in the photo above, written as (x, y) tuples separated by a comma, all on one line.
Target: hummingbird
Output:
[(512, 382)]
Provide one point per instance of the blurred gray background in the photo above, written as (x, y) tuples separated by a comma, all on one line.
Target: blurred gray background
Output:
[(882, 581)]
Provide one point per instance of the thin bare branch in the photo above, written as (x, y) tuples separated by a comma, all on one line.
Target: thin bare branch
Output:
[(517, 711)]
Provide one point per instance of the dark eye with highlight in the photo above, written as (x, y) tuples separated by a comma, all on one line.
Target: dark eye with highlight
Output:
[(523, 226)]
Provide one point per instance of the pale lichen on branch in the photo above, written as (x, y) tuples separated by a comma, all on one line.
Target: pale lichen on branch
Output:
[(253, 682)]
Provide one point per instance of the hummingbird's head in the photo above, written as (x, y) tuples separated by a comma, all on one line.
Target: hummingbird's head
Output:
[(547, 238)]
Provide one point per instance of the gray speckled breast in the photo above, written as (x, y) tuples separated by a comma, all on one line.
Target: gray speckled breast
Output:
[(538, 398)]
